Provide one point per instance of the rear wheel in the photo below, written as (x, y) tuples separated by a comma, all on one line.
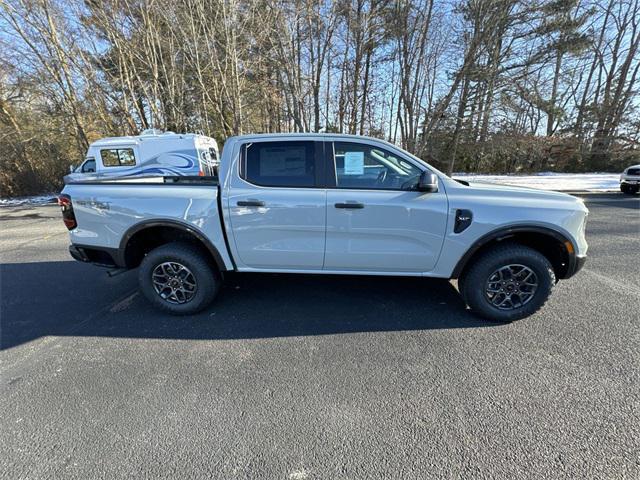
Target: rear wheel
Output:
[(508, 283), (628, 189), (177, 278)]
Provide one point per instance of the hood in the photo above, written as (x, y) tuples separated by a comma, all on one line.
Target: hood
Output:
[(505, 192), (81, 177), (500, 188)]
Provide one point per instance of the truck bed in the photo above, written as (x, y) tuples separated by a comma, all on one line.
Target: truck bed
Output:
[(110, 211)]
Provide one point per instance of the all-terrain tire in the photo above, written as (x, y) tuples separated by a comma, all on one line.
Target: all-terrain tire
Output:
[(170, 257), (475, 280)]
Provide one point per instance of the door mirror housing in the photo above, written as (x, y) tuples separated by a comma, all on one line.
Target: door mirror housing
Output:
[(428, 182), (72, 168)]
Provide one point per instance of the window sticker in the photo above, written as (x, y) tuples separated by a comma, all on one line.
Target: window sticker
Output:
[(354, 163)]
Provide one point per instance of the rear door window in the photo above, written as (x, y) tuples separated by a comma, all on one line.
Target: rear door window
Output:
[(280, 164)]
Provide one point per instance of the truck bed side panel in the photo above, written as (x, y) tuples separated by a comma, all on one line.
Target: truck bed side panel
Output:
[(106, 212)]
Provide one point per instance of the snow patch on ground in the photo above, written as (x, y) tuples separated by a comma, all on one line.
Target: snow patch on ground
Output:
[(560, 182), (34, 200)]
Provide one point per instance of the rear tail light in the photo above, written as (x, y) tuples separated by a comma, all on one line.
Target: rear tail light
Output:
[(68, 217)]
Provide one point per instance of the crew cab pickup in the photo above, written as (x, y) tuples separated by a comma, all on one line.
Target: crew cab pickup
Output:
[(327, 204), (630, 180)]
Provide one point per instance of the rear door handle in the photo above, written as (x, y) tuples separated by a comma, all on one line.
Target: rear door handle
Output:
[(250, 203), (349, 205)]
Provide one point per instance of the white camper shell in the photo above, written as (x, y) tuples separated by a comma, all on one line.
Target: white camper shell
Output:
[(150, 154)]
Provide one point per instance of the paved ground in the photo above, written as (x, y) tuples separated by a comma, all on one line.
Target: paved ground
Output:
[(316, 377)]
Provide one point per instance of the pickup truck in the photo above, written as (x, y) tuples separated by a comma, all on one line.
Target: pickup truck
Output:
[(327, 204), (630, 180)]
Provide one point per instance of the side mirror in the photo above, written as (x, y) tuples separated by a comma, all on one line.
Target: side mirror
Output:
[(428, 183), (71, 168)]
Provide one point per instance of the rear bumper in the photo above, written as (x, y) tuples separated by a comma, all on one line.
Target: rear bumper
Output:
[(78, 254), (100, 256)]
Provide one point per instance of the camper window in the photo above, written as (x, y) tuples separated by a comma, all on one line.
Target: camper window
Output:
[(118, 157)]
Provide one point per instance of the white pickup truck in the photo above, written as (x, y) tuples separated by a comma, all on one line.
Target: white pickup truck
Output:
[(327, 204), (630, 180)]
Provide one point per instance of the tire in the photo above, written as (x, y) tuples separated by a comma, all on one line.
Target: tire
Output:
[(628, 189), (502, 270), (178, 265)]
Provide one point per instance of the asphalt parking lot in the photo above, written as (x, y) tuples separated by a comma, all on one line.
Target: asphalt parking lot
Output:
[(316, 377)]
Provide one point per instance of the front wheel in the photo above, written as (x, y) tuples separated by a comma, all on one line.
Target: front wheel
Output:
[(177, 278), (508, 282)]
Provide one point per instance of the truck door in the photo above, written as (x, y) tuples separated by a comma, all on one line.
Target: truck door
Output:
[(277, 211), (375, 221)]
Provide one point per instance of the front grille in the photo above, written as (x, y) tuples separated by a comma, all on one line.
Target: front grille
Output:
[(633, 171)]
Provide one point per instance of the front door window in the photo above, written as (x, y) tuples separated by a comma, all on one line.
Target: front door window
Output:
[(360, 166)]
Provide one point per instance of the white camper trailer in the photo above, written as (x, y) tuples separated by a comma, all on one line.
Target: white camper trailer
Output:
[(151, 153)]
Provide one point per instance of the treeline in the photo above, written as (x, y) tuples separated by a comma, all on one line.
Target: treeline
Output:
[(469, 85)]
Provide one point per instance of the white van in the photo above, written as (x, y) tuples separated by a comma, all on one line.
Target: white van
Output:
[(150, 153)]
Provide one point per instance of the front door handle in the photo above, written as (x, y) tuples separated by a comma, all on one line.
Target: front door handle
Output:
[(349, 205), (250, 203)]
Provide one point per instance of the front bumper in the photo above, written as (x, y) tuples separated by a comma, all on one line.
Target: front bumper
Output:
[(576, 263)]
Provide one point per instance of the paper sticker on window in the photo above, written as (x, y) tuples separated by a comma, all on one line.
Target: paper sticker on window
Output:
[(354, 163)]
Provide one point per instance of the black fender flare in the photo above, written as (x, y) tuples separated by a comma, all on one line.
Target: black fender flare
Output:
[(507, 232), (185, 227)]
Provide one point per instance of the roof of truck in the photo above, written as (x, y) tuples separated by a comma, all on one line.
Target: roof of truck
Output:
[(319, 135), (261, 136)]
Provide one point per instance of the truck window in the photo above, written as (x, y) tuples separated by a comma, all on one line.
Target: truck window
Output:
[(280, 164), (365, 167), (118, 157), (89, 165)]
